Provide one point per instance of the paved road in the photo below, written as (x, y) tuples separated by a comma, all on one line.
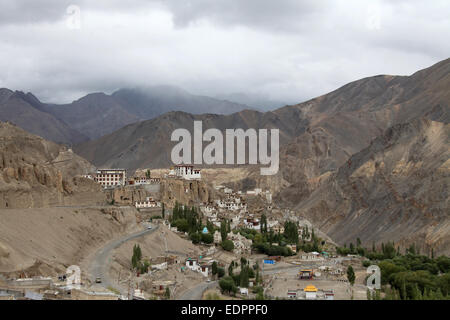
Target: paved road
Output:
[(100, 263), (196, 292)]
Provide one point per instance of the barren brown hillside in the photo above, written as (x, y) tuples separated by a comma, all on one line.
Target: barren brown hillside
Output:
[(394, 190), (39, 173)]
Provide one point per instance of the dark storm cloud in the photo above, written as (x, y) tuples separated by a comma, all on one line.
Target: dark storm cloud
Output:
[(287, 50), (289, 15)]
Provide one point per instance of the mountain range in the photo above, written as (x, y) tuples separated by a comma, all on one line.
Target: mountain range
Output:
[(367, 160), (98, 114)]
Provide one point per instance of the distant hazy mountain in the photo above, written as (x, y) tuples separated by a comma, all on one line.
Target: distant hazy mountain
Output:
[(26, 111), (94, 115), (256, 101), (151, 102), (97, 114)]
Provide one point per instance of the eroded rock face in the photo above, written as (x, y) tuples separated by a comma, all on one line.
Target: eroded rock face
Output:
[(38, 173), (129, 195), (394, 190), (188, 192)]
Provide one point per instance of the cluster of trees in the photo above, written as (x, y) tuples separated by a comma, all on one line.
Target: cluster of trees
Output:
[(225, 228), (271, 250), (291, 232), (187, 219), (310, 242), (388, 250), (216, 270), (263, 242), (413, 276), (408, 276), (232, 281), (136, 260)]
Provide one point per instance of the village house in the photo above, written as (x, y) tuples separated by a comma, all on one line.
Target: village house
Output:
[(277, 228), (208, 209), (252, 223), (254, 192), (292, 294), (242, 245), (329, 294), (192, 264), (204, 269), (311, 256), (159, 287), (217, 237), (148, 203)]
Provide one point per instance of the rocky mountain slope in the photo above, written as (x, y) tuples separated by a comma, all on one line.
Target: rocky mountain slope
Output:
[(317, 135), (395, 189), (26, 111), (38, 173), (147, 144)]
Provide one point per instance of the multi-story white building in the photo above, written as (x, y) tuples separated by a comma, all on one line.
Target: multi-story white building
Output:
[(187, 172), (111, 177)]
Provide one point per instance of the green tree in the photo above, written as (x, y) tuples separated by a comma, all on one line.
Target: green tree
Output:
[(167, 294), (244, 277), (263, 224), (227, 245), (214, 268), (226, 284), (220, 272), (351, 275), (223, 229), (291, 232)]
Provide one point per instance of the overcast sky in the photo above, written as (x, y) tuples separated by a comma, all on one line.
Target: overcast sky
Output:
[(283, 50)]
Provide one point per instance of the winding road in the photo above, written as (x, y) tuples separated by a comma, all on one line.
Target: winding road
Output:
[(196, 292), (100, 263)]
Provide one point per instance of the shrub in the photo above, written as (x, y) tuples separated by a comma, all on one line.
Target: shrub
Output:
[(227, 245)]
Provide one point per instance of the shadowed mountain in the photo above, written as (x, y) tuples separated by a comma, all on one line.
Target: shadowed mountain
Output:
[(26, 111), (98, 114), (95, 115)]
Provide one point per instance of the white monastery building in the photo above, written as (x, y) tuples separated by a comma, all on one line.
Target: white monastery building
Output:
[(187, 172), (111, 177)]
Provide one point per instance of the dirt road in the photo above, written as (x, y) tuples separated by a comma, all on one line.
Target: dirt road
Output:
[(196, 292), (100, 263)]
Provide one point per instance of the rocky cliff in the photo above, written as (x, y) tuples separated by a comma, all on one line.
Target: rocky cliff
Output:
[(396, 189), (188, 192), (38, 173)]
